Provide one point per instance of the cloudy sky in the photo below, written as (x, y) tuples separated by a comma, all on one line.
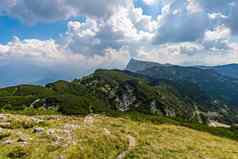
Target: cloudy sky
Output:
[(63, 39)]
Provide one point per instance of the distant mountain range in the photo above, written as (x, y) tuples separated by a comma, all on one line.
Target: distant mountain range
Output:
[(214, 87), (229, 70), (199, 93)]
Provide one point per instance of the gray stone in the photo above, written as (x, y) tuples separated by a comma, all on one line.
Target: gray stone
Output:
[(38, 130), (6, 125), (7, 142)]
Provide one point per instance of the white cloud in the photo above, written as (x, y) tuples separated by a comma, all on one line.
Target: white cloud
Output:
[(34, 60), (188, 53), (32, 11), (194, 7), (217, 15), (221, 32), (114, 31), (149, 2)]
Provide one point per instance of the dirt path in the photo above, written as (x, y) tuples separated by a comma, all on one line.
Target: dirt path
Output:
[(132, 145)]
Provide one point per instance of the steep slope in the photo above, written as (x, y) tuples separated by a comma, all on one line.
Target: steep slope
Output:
[(125, 91)]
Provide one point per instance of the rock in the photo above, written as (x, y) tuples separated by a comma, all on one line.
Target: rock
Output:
[(61, 157), (38, 130), (51, 131), (7, 142), (3, 117), (213, 123), (5, 125), (22, 139), (35, 102), (37, 121), (170, 112), (89, 120)]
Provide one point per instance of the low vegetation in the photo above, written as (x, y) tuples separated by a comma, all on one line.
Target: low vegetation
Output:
[(133, 135)]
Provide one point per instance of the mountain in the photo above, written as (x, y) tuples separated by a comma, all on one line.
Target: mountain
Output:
[(116, 113), (135, 65), (216, 83), (112, 91), (103, 91), (230, 70)]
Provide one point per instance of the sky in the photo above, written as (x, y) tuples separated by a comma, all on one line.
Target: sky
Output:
[(65, 39)]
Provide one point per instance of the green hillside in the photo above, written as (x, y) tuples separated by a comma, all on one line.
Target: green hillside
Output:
[(104, 91)]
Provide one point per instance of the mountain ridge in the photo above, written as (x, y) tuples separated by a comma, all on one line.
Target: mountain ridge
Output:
[(191, 93)]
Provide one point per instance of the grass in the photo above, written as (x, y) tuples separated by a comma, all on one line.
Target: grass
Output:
[(70, 137)]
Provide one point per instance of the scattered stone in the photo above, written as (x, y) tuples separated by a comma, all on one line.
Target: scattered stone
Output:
[(38, 130), (7, 142), (22, 139), (61, 157), (51, 131), (5, 125), (3, 117)]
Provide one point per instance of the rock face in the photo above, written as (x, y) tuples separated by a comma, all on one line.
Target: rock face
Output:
[(136, 66), (125, 98), (125, 92)]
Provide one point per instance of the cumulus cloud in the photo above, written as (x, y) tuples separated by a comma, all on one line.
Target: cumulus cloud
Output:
[(182, 32), (35, 60), (189, 53), (125, 27), (181, 21), (219, 33), (149, 2), (193, 7), (39, 11)]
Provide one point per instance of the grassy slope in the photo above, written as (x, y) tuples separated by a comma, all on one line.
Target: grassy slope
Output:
[(106, 137)]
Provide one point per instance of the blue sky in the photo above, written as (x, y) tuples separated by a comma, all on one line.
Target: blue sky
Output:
[(10, 27), (70, 38)]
